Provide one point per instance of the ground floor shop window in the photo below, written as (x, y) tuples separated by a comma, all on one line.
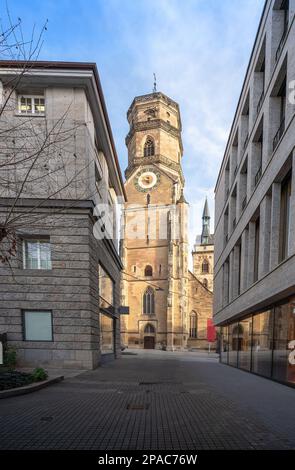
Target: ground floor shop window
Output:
[(233, 344), (284, 335), (263, 343), (107, 334), (224, 345), (244, 344)]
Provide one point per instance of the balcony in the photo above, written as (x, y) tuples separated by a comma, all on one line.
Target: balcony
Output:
[(244, 203), (260, 101), (258, 176), (281, 44), (279, 134)]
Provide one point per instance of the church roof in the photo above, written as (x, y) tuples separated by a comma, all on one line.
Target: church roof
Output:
[(199, 240), (182, 198), (206, 212)]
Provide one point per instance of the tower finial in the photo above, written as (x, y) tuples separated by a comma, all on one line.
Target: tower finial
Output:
[(155, 84)]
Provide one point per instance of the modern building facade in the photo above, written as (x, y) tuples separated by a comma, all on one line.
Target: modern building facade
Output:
[(254, 278), (203, 253), (169, 306), (60, 290)]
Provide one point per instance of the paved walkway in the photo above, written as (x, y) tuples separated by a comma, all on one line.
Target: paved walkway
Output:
[(153, 400)]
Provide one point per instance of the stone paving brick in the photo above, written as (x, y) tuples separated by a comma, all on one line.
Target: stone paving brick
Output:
[(181, 410)]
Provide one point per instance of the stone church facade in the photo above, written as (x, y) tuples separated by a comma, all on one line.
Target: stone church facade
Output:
[(169, 306)]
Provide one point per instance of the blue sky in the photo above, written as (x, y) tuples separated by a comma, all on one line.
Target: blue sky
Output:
[(199, 50)]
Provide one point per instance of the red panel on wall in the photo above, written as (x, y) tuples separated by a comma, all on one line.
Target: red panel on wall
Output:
[(211, 331)]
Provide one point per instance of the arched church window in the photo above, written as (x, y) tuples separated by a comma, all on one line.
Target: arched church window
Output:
[(149, 148), (205, 283), (148, 272), (149, 302), (193, 327), (150, 329), (205, 267)]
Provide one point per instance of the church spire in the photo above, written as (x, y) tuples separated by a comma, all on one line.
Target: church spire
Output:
[(205, 238)]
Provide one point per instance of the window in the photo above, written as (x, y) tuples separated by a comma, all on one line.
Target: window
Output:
[(107, 334), (149, 329), (262, 343), (148, 272), (36, 254), (285, 218), (37, 325), (205, 267), (205, 283), (106, 290), (193, 328), (31, 104), (149, 302), (282, 113), (256, 249), (149, 148)]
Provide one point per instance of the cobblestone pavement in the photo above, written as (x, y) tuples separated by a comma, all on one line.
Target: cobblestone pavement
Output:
[(155, 401)]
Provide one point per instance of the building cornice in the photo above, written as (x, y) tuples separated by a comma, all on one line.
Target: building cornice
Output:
[(144, 161), (154, 124), (150, 97), (83, 74)]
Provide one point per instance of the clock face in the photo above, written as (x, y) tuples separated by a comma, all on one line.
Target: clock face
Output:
[(147, 180)]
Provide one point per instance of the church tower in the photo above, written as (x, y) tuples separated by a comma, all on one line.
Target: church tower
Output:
[(203, 254), (155, 242)]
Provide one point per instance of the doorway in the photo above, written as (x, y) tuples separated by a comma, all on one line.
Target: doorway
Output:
[(149, 342)]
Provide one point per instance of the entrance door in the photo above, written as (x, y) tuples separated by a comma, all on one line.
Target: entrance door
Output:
[(149, 342)]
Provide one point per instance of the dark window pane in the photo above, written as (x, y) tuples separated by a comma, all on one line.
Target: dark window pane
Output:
[(233, 342), (284, 335), (244, 344), (262, 343), (224, 345)]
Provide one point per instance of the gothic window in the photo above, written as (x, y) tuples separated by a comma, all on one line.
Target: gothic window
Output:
[(148, 272), (149, 148), (193, 325), (205, 283), (149, 302), (205, 267), (150, 329), (148, 199)]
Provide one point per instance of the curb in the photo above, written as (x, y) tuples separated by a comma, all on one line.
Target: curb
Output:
[(13, 392)]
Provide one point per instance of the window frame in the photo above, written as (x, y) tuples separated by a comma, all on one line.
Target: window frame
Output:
[(23, 312), (205, 262), (148, 307), (33, 109), (38, 240), (149, 148), (193, 325)]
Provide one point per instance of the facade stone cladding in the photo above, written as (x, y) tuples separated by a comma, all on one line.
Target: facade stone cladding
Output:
[(70, 288), (255, 202), (156, 235)]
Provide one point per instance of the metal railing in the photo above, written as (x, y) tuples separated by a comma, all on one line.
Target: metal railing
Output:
[(279, 134), (258, 176), (281, 43), (246, 141), (260, 101)]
